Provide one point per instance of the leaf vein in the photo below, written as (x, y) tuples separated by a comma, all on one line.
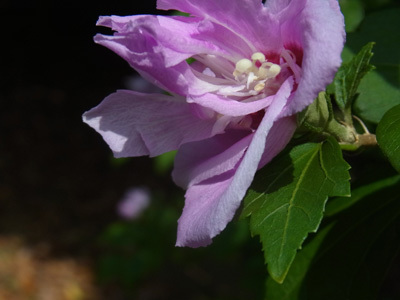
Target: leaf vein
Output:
[(301, 178)]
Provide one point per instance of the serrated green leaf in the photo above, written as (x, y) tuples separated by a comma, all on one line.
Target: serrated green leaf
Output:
[(291, 287), (350, 255), (347, 79), (388, 136), (287, 198), (380, 89)]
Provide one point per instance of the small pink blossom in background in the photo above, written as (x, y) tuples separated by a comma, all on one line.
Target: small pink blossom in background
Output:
[(134, 202), (231, 110)]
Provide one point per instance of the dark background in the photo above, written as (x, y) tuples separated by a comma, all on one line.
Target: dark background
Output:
[(56, 175), (60, 185)]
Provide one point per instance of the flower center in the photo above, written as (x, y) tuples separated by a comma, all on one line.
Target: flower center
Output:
[(255, 72)]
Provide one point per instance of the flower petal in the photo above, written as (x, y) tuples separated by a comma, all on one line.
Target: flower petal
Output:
[(319, 30), (157, 47), (198, 161), (229, 107), (177, 38), (142, 55), (282, 8), (248, 19), (203, 216), (135, 124), (281, 133), (211, 204)]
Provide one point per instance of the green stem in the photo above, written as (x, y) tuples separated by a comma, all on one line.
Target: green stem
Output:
[(362, 140)]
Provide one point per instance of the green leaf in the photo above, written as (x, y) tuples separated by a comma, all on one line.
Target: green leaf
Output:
[(291, 287), (377, 93), (287, 199), (350, 255), (388, 136), (380, 89), (341, 203), (179, 13), (316, 116), (348, 77)]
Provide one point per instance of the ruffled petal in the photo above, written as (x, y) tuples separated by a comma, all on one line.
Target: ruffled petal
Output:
[(229, 107), (279, 136), (319, 30), (248, 19), (157, 47), (203, 216), (276, 6), (211, 204), (198, 161), (285, 9), (142, 55), (177, 38), (135, 124)]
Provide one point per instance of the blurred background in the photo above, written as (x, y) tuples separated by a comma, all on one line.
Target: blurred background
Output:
[(75, 223), (64, 233)]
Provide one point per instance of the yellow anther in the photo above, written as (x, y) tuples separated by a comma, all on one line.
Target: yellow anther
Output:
[(274, 70), (263, 72), (256, 72), (258, 56), (243, 65), (259, 86)]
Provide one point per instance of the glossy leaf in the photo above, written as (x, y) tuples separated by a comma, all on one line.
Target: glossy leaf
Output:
[(388, 136), (350, 255), (288, 196), (290, 289)]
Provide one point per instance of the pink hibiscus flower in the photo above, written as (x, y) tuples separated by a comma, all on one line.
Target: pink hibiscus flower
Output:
[(233, 108)]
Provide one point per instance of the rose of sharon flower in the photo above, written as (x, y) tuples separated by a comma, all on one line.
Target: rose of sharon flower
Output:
[(231, 110)]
